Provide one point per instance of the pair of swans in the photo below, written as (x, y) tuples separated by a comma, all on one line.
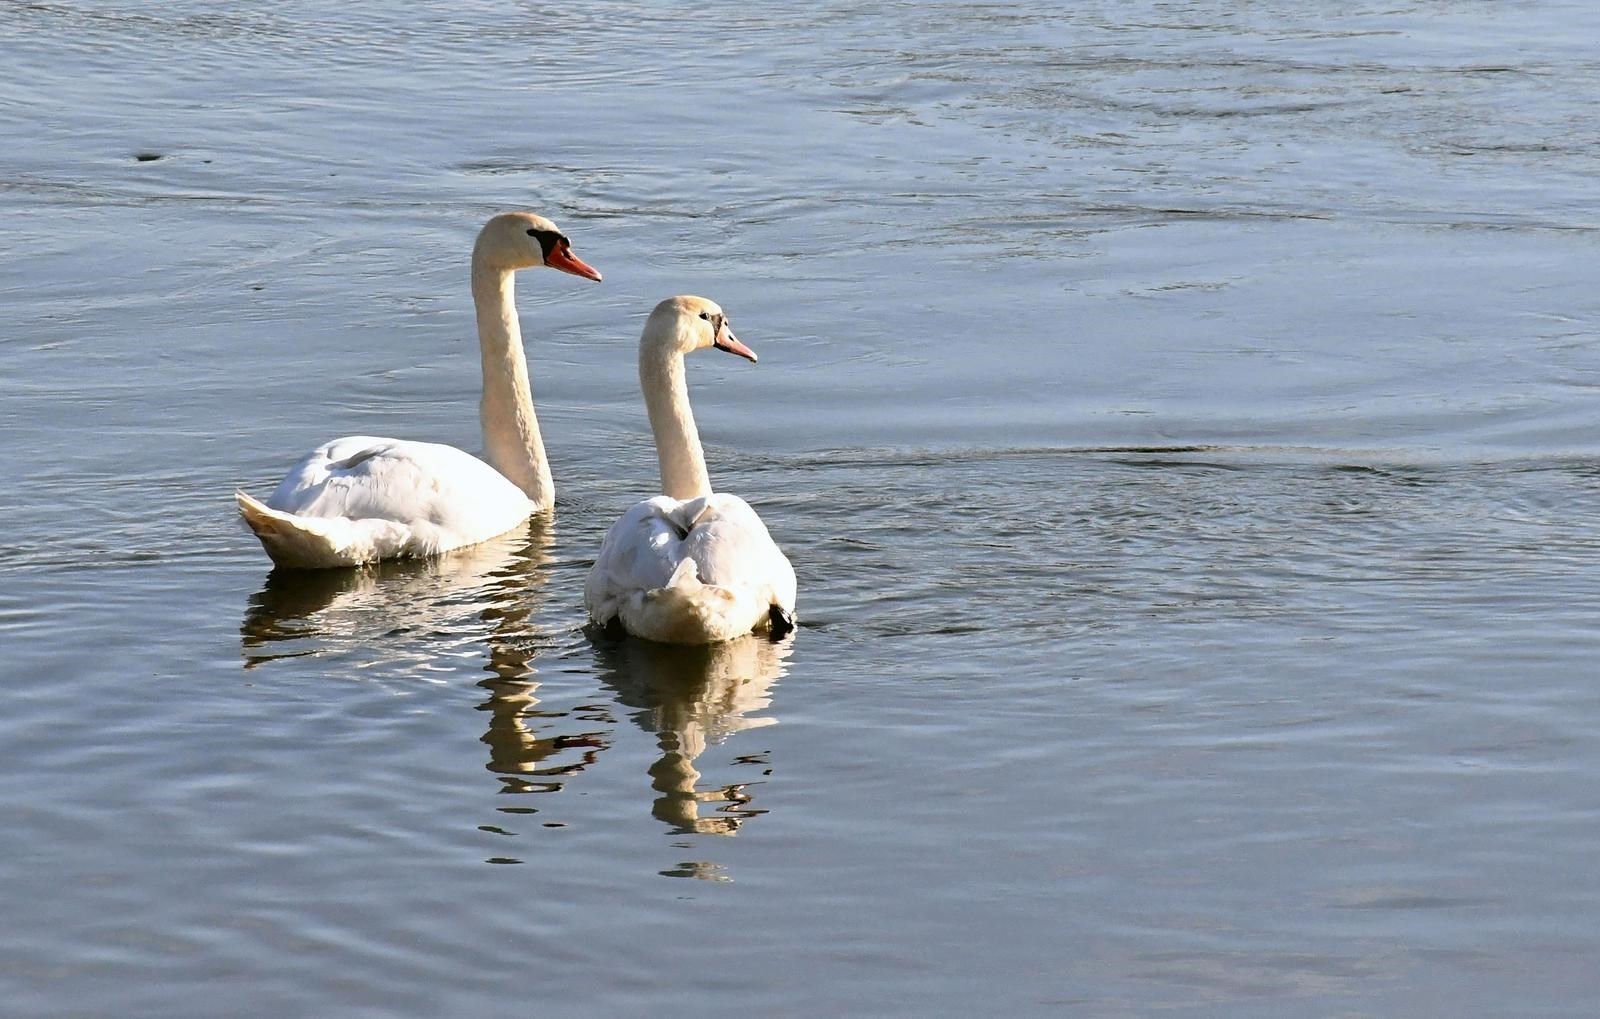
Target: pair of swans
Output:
[(687, 567)]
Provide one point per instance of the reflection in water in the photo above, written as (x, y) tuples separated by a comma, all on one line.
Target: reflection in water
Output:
[(414, 611), (691, 697), (523, 737), (412, 615), (387, 606)]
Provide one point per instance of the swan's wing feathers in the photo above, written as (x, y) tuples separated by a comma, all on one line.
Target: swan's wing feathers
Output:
[(732, 547), (688, 571), (639, 553), (364, 477)]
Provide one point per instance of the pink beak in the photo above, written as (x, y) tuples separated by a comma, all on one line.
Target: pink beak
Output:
[(727, 341)]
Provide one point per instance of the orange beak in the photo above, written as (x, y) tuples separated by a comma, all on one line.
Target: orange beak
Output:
[(561, 257)]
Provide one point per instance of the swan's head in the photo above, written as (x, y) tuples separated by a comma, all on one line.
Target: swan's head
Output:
[(521, 240), (685, 324)]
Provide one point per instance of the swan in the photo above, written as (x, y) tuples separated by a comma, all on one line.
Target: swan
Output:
[(688, 566), (361, 499)]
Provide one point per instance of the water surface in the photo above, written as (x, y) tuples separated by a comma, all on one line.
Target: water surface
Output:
[(1180, 417)]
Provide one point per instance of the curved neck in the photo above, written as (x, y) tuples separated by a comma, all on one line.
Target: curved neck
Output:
[(511, 441), (666, 397)]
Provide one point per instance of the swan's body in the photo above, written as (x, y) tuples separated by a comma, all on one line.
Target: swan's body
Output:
[(361, 499), (691, 571), (689, 566)]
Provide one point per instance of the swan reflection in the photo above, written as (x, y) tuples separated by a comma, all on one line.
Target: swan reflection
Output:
[(450, 601), (523, 738), (416, 617), (691, 698), (423, 619)]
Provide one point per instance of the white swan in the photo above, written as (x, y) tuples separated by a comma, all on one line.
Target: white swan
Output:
[(688, 567), (360, 499)]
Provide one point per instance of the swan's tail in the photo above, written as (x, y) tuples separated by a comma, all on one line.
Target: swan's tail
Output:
[(300, 542), (686, 611), (685, 577)]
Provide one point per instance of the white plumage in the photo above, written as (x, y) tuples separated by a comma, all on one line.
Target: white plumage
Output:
[(690, 571), (362, 498), (688, 567)]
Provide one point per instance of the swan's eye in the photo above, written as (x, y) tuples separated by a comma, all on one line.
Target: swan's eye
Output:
[(549, 240), (705, 316)]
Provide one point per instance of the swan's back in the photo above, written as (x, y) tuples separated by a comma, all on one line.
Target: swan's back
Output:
[(691, 571), (363, 498)]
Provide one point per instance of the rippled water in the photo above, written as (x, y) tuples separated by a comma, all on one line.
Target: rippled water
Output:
[(1180, 416)]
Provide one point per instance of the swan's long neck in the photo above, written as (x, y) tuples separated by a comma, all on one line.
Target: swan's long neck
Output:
[(666, 397), (511, 441)]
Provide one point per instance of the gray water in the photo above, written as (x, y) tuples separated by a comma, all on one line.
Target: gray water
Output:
[(1181, 417)]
